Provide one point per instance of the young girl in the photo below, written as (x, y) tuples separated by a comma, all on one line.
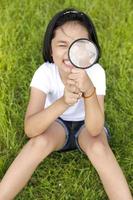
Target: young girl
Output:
[(66, 111)]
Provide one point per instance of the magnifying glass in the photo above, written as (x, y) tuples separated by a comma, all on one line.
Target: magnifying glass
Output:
[(83, 53)]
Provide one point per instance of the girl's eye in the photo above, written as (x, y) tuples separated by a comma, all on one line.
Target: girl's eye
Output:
[(63, 45)]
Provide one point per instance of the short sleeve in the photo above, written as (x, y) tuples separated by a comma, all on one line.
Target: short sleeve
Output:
[(98, 78), (41, 79)]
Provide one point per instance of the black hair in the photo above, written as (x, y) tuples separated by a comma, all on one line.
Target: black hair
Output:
[(61, 18)]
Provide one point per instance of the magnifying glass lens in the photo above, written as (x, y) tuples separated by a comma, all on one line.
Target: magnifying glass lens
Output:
[(83, 53)]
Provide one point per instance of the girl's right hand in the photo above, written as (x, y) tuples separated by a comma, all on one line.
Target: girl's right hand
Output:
[(71, 94)]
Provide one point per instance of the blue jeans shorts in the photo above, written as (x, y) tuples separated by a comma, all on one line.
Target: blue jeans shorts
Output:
[(72, 130)]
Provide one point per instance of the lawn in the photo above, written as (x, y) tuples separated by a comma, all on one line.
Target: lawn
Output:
[(66, 176)]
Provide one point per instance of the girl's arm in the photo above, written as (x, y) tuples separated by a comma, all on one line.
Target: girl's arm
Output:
[(94, 114), (94, 105), (38, 118)]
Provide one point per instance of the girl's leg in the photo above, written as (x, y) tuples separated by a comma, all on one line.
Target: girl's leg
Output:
[(103, 159), (29, 158)]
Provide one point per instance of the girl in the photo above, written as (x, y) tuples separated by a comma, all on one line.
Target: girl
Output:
[(66, 111)]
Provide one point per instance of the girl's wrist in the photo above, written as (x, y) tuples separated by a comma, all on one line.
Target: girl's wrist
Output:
[(65, 104), (89, 93)]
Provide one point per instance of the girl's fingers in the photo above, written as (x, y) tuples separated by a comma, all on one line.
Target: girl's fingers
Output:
[(71, 82), (77, 84), (80, 94), (73, 89), (73, 76), (75, 96), (77, 90), (76, 70)]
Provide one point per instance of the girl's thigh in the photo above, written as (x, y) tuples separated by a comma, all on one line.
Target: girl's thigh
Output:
[(88, 143), (55, 136)]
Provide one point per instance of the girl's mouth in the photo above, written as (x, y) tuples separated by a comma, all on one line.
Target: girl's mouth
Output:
[(68, 64)]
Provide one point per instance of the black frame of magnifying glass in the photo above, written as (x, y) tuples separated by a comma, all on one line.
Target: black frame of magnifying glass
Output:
[(96, 50)]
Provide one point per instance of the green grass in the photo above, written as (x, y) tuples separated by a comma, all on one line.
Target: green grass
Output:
[(67, 176)]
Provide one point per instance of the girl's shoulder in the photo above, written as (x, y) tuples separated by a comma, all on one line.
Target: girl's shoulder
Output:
[(96, 71), (46, 68), (96, 68), (43, 77), (98, 78)]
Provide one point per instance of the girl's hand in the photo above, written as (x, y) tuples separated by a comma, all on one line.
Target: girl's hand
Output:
[(80, 79), (71, 94)]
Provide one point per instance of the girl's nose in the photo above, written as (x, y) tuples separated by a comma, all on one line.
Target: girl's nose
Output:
[(66, 54)]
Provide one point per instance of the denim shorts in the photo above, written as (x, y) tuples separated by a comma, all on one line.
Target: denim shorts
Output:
[(72, 130)]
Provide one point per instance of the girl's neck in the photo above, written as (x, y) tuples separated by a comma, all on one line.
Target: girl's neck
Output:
[(63, 77)]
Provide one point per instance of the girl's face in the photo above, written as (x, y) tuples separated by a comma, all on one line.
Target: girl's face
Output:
[(64, 36)]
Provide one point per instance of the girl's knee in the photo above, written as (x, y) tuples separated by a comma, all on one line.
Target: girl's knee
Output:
[(98, 150), (40, 143)]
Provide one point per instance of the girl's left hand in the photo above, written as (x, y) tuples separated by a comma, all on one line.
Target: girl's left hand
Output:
[(80, 78)]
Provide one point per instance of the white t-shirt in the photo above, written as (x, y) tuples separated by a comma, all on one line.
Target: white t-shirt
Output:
[(47, 79)]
